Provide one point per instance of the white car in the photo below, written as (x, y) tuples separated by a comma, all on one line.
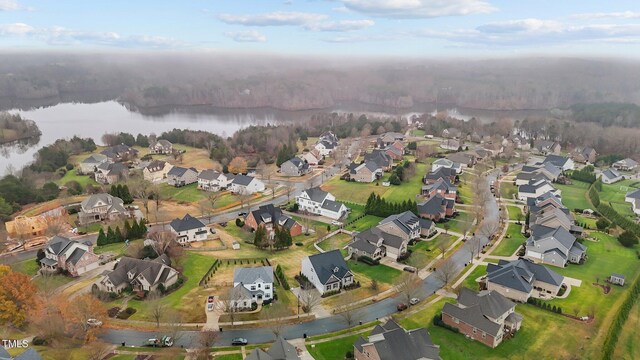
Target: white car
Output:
[(94, 322), (334, 222), (414, 301)]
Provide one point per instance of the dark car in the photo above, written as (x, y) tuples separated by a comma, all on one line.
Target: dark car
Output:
[(401, 306), (239, 341), (410, 269), (242, 213)]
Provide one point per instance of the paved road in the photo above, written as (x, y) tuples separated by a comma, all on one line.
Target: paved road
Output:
[(320, 326)]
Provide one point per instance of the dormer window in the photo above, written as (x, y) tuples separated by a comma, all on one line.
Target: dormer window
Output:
[(336, 269)]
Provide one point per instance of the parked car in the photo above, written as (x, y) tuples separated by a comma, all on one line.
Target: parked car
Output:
[(401, 306), (410, 269), (414, 301), (211, 298), (94, 322), (334, 222), (239, 341), (242, 213), (165, 341)]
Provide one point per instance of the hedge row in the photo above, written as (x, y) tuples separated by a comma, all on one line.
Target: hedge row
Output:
[(625, 223), (618, 322), (283, 279)]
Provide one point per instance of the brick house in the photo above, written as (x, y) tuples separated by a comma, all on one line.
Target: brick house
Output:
[(69, 255), (269, 216)]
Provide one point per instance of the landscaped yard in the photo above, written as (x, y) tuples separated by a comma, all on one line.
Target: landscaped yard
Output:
[(511, 242), (382, 273), (28, 267), (425, 251), (408, 189), (118, 248), (574, 196), (335, 349), (71, 175), (614, 194), (515, 213), (458, 224), (338, 241), (470, 280), (365, 223), (508, 189), (189, 193)]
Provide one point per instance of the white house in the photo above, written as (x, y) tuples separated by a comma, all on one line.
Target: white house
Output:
[(320, 202), (610, 176), (325, 147), (536, 188), (89, 165), (211, 180), (446, 163), (633, 197), (188, 229), (563, 162), (327, 271), (258, 281), (625, 164), (243, 184)]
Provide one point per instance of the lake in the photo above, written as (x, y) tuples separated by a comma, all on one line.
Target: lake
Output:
[(95, 119)]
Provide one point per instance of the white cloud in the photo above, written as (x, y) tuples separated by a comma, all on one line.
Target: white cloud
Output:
[(277, 18), (340, 9), (246, 36), (61, 36), (343, 25), (16, 29), (520, 26), (9, 5), (610, 15), (413, 9)]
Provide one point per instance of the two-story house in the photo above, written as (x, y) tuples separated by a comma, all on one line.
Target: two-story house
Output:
[(320, 202), (189, 229), (245, 185), (407, 225), (156, 171), (111, 173), (295, 167), (485, 317), (179, 176), (376, 244), (90, 164), (441, 187), (366, 172), (327, 271), (389, 341), (119, 152), (140, 275), (437, 208), (258, 283), (161, 146), (63, 254), (554, 246), (446, 163), (521, 279), (101, 207), (270, 216)]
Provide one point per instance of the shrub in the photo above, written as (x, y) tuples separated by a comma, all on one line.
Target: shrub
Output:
[(239, 222), (299, 244), (367, 260), (349, 355), (69, 167), (602, 223), (39, 341), (628, 239)]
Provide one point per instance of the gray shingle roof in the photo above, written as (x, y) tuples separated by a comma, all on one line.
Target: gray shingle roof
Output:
[(560, 234), (404, 221), (75, 256), (434, 205), (442, 172), (95, 159), (316, 194), (155, 165), (326, 263), (477, 308), (556, 160), (395, 343), (270, 213), (635, 194), (29, 354), (252, 274), (188, 222), (180, 171), (208, 174), (610, 174), (374, 234), (149, 269), (279, 350), (331, 205), (520, 274), (243, 180), (115, 204)]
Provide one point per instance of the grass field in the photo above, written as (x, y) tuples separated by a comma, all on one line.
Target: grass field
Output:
[(365, 223), (335, 349), (382, 273), (417, 132), (465, 192), (459, 223), (28, 267), (229, 357), (337, 241), (605, 256), (574, 196), (425, 251), (628, 347), (470, 281), (614, 194), (511, 242), (71, 175), (508, 189), (189, 193), (514, 212)]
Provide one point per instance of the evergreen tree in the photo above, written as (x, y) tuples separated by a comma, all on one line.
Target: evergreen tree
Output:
[(125, 195), (118, 235), (111, 237), (129, 232), (142, 228), (102, 238), (259, 237), (114, 191)]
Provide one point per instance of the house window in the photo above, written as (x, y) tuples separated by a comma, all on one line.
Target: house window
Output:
[(267, 287), (456, 321), (484, 334), (253, 287), (474, 330)]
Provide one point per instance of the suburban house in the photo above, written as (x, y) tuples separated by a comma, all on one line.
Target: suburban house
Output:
[(554, 246), (312, 157), (485, 317), (625, 164), (243, 184), (111, 173), (367, 172), (562, 162), (493, 148), (611, 176), (446, 163), (437, 208), (389, 341), (546, 171), (584, 155), (156, 171), (465, 159), (521, 279), (395, 151), (407, 225), (320, 202), (327, 271), (442, 187), (633, 197), (380, 157), (258, 281), (140, 275), (441, 173), (451, 144), (451, 133), (101, 207), (270, 216), (179, 176), (520, 142), (295, 167), (26, 227), (119, 152), (377, 244), (325, 147), (279, 350), (554, 217), (211, 180), (161, 146), (188, 229), (62, 254), (389, 138), (89, 165), (535, 188), (29, 354), (545, 147)]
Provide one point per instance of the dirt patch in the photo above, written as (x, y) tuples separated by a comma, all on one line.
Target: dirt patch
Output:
[(606, 289)]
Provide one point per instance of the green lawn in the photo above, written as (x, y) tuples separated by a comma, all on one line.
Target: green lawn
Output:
[(514, 212), (189, 193), (123, 357), (238, 233), (511, 242), (470, 281), (365, 223), (408, 189), (417, 132), (588, 221), (614, 194), (230, 356), (508, 189), (574, 196), (604, 257), (71, 175), (628, 346), (458, 223), (28, 267), (337, 241), (118, 248), (194, 267), (425, 251), (335, 349), (424, 317), (465, 192), (382, 273)]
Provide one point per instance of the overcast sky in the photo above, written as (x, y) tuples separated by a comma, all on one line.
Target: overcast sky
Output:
[(415, 28)]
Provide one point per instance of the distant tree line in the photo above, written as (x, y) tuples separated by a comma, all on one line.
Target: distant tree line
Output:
[(54, 156), (607, 114)]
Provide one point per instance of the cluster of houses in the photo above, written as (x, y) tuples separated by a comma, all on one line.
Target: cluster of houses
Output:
[(391, 341), (440, 190), (108, 167), (535, 180), (388, 148), (300, 165)]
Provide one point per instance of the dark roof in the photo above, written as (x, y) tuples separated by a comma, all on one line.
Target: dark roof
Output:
[(316, 194), (379, 157), (560, 234), (374, 234), (363, 245), (179, 171), (209, 174), (478, 308), (59, 244), (610, 174), (155, 165), (520, 274), (188, 222), (298, 163), (405, 221), (274, 214), (442, 172), (441, 184), (242, 180), (326, 264), (150, 269), (29, 354), (556, 160), (76, 255), (434, 205), (332, 205), (392, 342), (635, 194), (118, 150)]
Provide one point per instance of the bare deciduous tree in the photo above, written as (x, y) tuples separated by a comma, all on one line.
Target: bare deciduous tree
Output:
[(212, 198), (229, 303), (274, 315), (309, 300), (156, 308), (408, 286), (98, 350), (446, 272), (346, 310), (141, 189), (489, 228), (162, 240)]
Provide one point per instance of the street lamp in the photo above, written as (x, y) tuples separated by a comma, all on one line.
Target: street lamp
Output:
[(298, 305)]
